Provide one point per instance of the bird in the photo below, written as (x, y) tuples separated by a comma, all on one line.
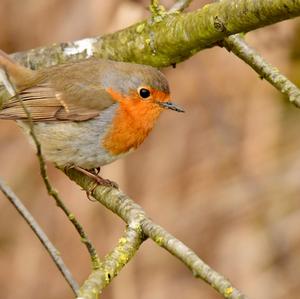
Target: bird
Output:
[(88, 113)]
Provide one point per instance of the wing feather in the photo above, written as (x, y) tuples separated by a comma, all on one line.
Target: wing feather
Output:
[(45, 104)]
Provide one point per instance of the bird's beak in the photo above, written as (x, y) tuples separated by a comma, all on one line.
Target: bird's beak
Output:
[(170, 105)]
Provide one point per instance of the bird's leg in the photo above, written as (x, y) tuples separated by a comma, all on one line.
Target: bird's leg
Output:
[(95, 171), (94, 174), (91, 188)]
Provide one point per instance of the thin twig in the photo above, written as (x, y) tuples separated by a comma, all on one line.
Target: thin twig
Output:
[(113, 263), (53, 252), (43, 169), (240, 48), (198, 267), (134, 216), (180, 5)]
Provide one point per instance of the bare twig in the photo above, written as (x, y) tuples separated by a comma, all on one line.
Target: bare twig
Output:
[(240, 48), (111, 265), (43, 169), (198, 267), (180, 5), (237, 45), (134, 215), (53, 252)]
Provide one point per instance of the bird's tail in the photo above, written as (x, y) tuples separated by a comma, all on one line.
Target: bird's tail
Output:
[(17, 73)]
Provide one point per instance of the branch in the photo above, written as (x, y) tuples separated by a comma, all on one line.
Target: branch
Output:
[(43, 170), (113, 263), (171, 39), (240, 48), (180, 5), (198, 267), (53, 252), (135, 217)]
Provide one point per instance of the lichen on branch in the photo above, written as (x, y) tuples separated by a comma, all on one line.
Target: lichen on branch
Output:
[(171, 39), (142, 226)]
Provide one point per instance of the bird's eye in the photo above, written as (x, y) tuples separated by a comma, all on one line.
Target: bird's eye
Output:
[(144, 93)]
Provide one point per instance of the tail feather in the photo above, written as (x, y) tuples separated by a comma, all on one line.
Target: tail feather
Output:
[(16, 72)]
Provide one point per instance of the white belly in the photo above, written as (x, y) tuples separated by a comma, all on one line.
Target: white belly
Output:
[(75, 143)]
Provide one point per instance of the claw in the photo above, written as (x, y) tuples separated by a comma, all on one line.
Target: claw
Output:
[(89, 192), (94, 174)]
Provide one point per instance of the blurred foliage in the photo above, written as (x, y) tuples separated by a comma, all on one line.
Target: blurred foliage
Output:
[(295, 56)]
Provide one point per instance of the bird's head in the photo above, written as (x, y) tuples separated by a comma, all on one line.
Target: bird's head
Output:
[(141, 87), (142, 93)]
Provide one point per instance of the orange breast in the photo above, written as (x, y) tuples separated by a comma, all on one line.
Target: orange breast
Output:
[(133, 122)]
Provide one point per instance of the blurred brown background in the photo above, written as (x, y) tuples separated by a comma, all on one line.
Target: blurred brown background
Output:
[(223, 177)]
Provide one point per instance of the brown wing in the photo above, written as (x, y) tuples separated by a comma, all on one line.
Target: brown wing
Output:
[(51, 96), (45, 104)]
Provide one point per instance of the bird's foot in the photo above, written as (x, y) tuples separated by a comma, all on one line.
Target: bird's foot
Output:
[(90, 190), (99, 181), (94, 174), (95, 171)]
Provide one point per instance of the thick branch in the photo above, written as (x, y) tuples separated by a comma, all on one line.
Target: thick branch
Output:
[(171, 38), (136, 218)]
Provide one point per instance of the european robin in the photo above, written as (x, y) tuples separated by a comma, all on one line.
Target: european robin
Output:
[(88, 113)]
